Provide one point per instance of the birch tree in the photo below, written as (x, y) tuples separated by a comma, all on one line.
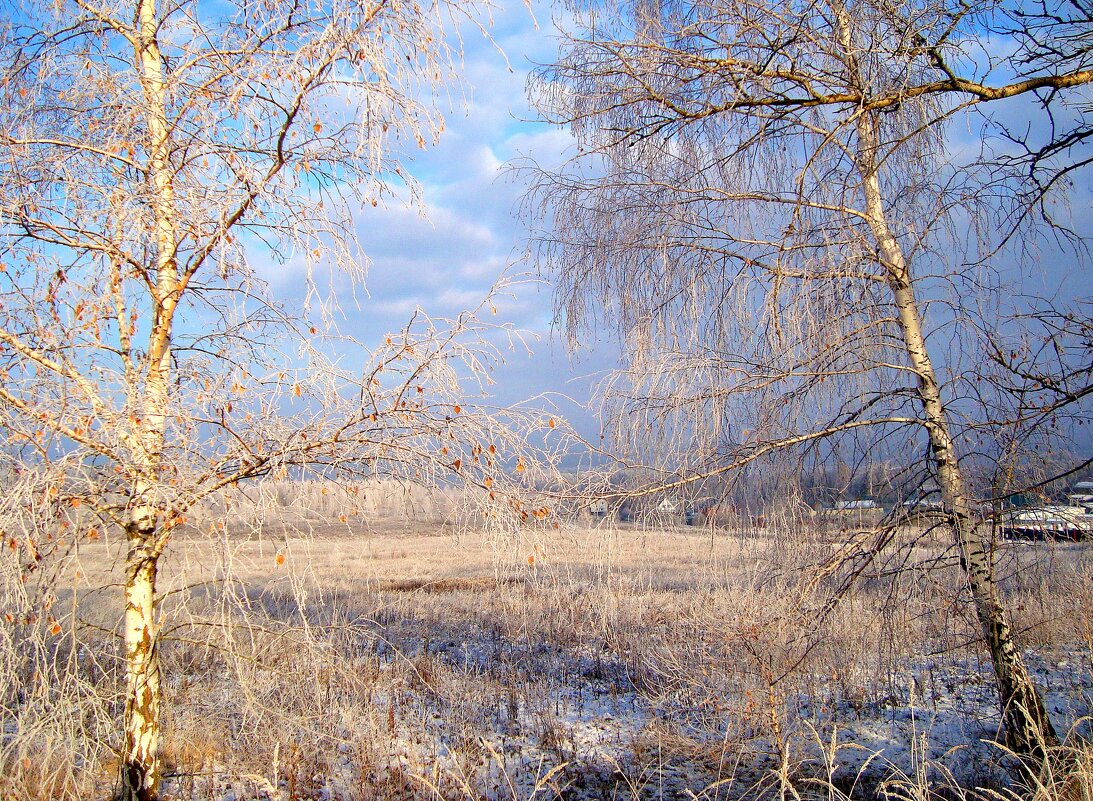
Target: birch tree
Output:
[(157, 162), (761, 203)]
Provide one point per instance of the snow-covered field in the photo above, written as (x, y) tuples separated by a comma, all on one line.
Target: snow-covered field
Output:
[(399, 661)]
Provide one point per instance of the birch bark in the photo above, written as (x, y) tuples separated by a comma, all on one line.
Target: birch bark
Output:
[(141, 769), (1028, 729)]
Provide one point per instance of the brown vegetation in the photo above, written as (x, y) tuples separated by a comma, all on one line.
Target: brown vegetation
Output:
[(579, 662)]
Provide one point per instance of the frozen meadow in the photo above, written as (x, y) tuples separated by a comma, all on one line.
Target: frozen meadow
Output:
[(394, 659)]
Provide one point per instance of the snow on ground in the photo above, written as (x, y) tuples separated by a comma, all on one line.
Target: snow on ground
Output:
[(482, 712), (949, 715), (612, 742)]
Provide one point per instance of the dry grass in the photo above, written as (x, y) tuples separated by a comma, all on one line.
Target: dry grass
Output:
[(387, 661)]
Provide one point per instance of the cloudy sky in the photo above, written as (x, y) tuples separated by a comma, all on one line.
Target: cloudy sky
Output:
[(445, 256)]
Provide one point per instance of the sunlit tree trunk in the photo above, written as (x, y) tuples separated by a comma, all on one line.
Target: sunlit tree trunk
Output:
[(1027, 727), (143, 691), (141, 766)]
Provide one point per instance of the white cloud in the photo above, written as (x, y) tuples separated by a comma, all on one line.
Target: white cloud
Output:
[(445, 256)]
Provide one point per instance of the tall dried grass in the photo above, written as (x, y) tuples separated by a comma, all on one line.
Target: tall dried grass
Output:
[(381, 658)]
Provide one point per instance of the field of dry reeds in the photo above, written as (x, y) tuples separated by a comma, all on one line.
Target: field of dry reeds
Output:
[(394, 656)]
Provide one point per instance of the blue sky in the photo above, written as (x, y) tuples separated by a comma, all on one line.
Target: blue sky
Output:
[(445, 255)]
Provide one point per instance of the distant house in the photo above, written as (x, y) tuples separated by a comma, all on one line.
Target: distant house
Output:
[(598, 508), (634, 510), (1081, 494), (858, 511), (859, 505), (1022, 500)]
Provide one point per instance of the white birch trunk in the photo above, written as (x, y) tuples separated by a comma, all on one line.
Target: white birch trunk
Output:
[(1028, 729), (141, 769), (143, 691)]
